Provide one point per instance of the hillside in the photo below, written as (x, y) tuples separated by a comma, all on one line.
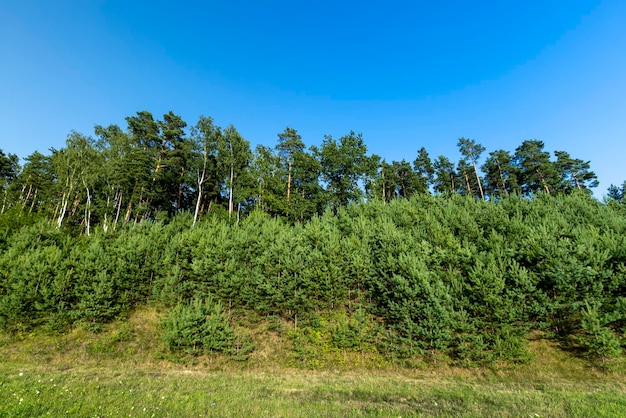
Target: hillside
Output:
[(434, 279)]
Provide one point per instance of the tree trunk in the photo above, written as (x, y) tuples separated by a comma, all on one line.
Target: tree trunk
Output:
[(501, 177), (543, 181), (452, 185), (179, 201), (469, 188), (88, 211), (128, 211), (32, 204), (64, 200), (195, 215), (480, 186), (289, 183), (75, 204), (230, 194), (119, 207), (30, 187), (22, 194), (382, 175), (4, 201)]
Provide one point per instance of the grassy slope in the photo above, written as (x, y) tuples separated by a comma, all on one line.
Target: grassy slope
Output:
[(124, 371)]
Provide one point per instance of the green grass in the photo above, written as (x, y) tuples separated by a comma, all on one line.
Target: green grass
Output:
[(34, 391), (124, 371)]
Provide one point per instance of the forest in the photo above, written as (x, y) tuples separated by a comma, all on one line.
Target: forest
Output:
[(428, 258)]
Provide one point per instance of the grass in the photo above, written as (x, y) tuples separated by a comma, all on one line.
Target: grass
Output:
[(124, 371)]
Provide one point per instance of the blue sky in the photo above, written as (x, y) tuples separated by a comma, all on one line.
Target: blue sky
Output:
[(405, 74)]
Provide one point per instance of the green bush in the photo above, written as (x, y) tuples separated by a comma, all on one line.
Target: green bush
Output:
[(599, 340), (201, 326)]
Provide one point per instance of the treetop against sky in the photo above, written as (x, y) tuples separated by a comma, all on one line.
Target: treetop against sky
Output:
[(404, 74)]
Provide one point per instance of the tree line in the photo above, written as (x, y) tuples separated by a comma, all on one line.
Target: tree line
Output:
[(457, 260), (156, 169)]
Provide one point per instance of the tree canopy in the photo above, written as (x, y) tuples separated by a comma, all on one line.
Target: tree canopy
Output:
[(158, 168)]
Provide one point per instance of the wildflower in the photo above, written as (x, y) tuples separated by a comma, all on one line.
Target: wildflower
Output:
[(21, 374)]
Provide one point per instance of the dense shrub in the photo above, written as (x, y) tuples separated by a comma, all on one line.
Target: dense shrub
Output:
[(202, 326), (440, 276)]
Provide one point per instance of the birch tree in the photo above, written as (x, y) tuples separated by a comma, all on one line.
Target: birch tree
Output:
[(9, 169), (206, 138), (471, 152)]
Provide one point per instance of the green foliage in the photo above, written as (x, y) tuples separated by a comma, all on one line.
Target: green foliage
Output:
[(449, 277), (335, 339), (202, 326), (598, 336), (353, 332), (344, 164)]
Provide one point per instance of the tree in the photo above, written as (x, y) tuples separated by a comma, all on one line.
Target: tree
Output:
[(536, 171), (118, 176), (267, 183), (399, 180), (205, 138), (35, 182), (471, 151), (344, 166), (500, 174), (161, 155), (574, 173), (289, 143), (234, 156), (617, 193), (410, 182), (423, 166), (145, 163), (386, 185), (76, 167), (446, 178), (65, 172), (309, 198), (174, 158), (9, 168), (465, 173)]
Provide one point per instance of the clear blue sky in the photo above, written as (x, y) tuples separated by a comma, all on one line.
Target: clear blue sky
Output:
[(405, 74)]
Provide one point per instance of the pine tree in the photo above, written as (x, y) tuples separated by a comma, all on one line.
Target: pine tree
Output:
[(424, 168), (446, 178), (575, 174), (500, 174), (536, 171), (289, 143)]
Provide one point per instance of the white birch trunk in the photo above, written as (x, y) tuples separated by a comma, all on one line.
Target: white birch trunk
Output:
[(230, 194)]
